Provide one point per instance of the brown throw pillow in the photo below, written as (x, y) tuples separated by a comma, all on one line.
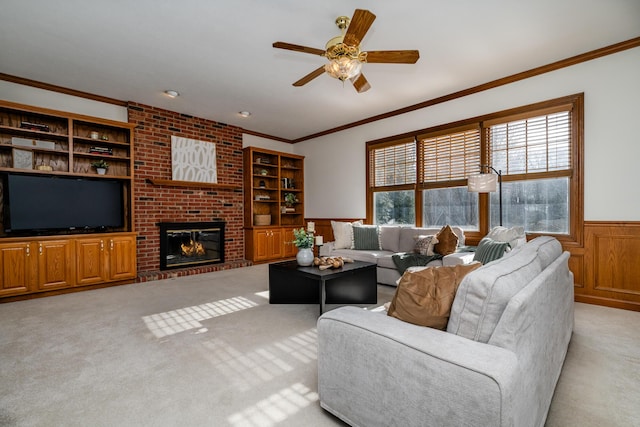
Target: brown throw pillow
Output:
[(425, 297), (447, 241)]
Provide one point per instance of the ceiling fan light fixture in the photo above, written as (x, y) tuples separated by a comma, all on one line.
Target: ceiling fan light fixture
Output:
[(343, 68)]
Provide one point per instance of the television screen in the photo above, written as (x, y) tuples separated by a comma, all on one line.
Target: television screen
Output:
[(33, 203)]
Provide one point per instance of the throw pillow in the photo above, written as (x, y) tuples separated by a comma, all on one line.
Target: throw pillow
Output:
[(447, 241), (366, 237), (343, 233), (490, 250), (514, 235), (424, 245), (425, 297)]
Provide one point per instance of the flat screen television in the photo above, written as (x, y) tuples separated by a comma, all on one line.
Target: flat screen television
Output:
[(46, 203)]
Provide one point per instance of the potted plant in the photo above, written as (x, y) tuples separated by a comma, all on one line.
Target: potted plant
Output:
[(304, 243), (101, 166), (289, 199)]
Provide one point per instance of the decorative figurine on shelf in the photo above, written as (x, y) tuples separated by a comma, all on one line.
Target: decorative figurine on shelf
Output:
[(304, 243), (101, 166)]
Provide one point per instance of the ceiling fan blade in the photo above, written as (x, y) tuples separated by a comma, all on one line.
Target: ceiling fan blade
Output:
[(312, 75), (360, 23), (298, 48), (393, 56), (360, 83)]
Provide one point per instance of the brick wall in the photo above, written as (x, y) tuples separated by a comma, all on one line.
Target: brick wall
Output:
[(154, 203)]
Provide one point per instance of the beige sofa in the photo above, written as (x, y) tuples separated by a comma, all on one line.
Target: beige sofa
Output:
[(397, 239)]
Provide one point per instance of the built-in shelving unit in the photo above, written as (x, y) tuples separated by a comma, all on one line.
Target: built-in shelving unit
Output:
[(44, 142), (269, 217)]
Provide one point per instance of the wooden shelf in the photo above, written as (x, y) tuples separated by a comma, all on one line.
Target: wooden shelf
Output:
[(173, 183)]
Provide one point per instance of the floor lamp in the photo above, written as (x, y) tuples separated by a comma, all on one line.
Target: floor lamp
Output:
[(486, 183)]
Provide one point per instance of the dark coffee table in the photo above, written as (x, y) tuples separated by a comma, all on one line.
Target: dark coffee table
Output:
[(354, 283)]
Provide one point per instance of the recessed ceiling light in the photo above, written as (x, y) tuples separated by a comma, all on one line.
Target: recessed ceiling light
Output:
[(172, 93), (244, 114)]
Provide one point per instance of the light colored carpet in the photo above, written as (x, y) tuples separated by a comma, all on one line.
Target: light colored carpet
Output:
[(209, 350)]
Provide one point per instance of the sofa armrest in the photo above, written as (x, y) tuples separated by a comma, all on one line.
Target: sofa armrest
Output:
[(458, 258), (375, 370)]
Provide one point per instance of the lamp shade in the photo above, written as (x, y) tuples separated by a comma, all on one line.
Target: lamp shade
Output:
[(482, 183)]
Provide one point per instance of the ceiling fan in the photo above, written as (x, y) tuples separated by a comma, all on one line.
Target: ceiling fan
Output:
[(344, 53)]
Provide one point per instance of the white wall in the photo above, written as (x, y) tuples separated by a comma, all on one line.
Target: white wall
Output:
[(29, 95), (335, 182), (268, 144)]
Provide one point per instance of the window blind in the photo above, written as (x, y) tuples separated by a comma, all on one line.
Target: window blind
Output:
[(393, 164), (536, 145), (449, 157)]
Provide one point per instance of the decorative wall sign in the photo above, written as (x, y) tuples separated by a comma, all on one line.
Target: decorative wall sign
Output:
[(193, 160)]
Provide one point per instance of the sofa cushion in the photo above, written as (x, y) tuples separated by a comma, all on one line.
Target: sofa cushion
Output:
[(366, 237), (484, 293), (515, 236), (425, 244), (447, 241), (424, 298), (390, 238), (343, 233), (367, 256), (490, 250)]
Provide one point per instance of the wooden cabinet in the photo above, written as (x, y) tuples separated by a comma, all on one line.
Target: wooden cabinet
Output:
[(290, 250), (15, 268), (105, 258), (56, 261), (274, 203), (42, 142), (122, 257), (266, 244), (91, 261)]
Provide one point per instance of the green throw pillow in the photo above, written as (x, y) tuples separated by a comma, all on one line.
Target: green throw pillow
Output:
[(366, 238), (490, 250)]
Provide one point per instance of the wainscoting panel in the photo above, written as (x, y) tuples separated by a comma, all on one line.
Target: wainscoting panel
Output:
[(612, 265)]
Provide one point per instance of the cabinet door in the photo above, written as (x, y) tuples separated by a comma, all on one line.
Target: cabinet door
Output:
[(277, 246), (261, 240), (290, 249), (122, 258), (91, 261), (56, 259), (15, 268), (267, 244)]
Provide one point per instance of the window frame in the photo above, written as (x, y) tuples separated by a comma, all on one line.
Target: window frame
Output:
[(573, 103)]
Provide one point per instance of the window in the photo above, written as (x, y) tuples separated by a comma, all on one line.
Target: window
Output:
[(534, 156), (447, 158), (392, 178), (422, 179)]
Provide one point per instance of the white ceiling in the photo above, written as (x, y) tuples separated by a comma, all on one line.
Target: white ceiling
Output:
[(218, 55)]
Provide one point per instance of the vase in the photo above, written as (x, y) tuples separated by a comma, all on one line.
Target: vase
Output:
[(304, 257), (101, 171)]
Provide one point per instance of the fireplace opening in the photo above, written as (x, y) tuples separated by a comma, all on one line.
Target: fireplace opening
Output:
[(185, 244)]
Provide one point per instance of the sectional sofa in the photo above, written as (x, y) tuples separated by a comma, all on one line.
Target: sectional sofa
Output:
[(396, 239), (496, 364)]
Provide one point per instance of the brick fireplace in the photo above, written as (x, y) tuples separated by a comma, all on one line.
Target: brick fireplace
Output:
[(155, 204)]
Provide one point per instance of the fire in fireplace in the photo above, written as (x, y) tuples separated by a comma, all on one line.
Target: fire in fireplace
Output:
[(185, 244)]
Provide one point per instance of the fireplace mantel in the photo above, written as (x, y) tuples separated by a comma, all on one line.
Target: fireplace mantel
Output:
[(175, 183)]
